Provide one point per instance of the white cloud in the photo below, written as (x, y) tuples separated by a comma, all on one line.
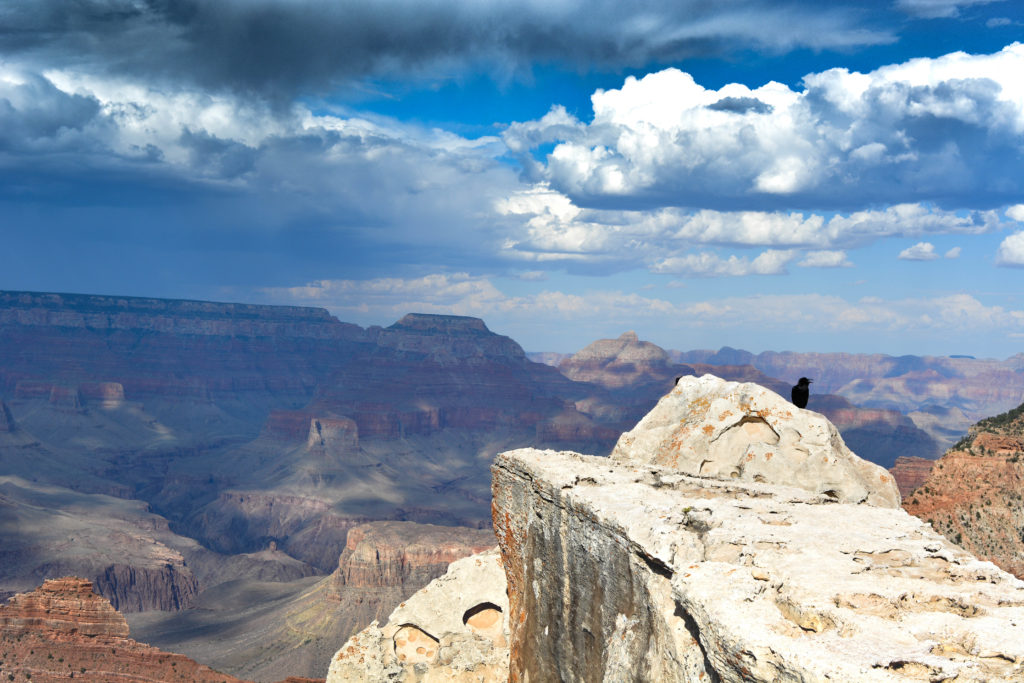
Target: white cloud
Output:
[(938, 9), (825, 259), (922, 251), (1011, 251), (552, 228), (463, 294), (947, 129), (953, 253), (1016, 212), (706, 264), (386, 299)]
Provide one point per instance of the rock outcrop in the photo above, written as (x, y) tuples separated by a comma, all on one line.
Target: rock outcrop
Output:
[(63, 630), (645, 573), (744, 432), (704, 549), (455, 629)]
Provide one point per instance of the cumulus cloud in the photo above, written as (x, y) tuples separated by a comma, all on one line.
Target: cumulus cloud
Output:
[(551, 227), (1011, 251), (706, 264), (953, 253), (825, 258), (317, 44), (948, 130), (922, 251)]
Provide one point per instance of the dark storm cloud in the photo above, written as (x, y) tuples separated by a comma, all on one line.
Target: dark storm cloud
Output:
[(287, 46), (741, 105)]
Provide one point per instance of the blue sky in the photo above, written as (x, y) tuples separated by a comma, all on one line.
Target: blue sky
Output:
[(764, 175)]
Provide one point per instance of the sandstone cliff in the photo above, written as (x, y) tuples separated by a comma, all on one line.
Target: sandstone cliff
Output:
[(404, 556), (649, 574), (63, 630), (974, 494), (910, 473)]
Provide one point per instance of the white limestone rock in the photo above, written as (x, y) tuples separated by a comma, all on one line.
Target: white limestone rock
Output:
[(454, 629), (622, 571), (709, 427)]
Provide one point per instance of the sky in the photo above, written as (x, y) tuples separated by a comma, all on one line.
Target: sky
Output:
[(805, 176)]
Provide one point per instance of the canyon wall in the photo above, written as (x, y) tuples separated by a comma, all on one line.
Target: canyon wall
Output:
[(974, 494), (63, 630)]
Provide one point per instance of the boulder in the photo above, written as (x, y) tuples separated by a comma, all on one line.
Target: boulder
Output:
[(709, 427)]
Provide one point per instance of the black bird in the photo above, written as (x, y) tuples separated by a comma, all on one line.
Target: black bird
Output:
[(801, 392)]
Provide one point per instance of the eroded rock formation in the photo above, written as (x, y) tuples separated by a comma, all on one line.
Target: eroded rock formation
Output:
[(402, 555), (63, 630), (455, 629)]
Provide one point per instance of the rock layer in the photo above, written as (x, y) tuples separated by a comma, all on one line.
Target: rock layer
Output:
[(63, 630), (645, 573), (403, 555), (910, 473)]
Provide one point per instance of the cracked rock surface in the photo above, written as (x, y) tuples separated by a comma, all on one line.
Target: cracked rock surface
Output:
[(628, 571)]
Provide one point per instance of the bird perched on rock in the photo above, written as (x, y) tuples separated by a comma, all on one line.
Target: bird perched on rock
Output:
[(800, 392)]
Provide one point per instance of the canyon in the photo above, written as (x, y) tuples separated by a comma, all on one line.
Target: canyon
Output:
[(206, 465), (704, 548)]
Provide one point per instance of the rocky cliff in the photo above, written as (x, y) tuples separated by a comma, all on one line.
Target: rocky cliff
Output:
[(166, 347), (402, 555), (632, 569), (266, 630), (455, 629), (63, 630), (974, 494), (910, 473)]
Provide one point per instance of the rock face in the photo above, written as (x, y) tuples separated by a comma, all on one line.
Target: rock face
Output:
[(403, 555), (125, 550), (67, 606), (910, 473), (973, 494), (63, 630), (628, 571), (728, 430), (455, 629)]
